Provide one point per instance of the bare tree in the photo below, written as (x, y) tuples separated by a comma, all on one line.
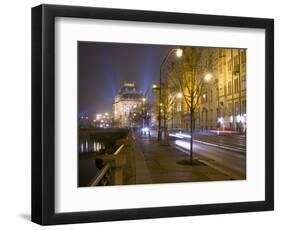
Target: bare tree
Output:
[(168, 106), (187, 75)]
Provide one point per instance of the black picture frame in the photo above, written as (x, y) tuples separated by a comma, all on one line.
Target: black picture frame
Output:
[(43, 110)]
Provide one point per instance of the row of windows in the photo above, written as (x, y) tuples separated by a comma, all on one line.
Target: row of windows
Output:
[(236, 108), (205, 115), (236, 61), (236, 86), (230, 108)]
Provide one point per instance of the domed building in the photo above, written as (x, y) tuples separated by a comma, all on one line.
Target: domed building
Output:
[(128, 105)]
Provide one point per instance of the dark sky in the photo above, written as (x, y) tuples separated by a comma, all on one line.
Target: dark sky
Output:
[(103, 67)]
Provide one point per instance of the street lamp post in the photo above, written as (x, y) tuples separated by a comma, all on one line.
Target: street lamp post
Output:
[(179, 53)]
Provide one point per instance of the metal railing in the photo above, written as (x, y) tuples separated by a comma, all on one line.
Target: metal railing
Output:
[(101, 178), (105, 176)]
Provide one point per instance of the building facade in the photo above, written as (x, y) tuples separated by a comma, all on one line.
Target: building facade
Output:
[(232, 112), (222, 102), (128, 104)]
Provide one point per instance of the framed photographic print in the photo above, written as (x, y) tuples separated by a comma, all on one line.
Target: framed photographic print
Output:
[(141, 114)]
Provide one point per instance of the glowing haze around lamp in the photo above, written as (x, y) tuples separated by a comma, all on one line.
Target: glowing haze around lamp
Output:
[(208, 77), (179, 95), (179, 52)]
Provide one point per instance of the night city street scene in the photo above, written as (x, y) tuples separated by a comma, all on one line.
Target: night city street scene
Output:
[(150, 114)]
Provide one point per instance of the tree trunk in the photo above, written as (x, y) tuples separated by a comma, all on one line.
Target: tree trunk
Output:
[(166, 135), (191, 136)]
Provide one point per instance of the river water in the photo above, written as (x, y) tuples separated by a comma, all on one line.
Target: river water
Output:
[(90, 145)]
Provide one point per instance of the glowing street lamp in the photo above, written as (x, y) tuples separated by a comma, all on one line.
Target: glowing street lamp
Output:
[(179, 95), (242, 119), (179, 53), (208, 77), (220, 120), (154, 86), (238, 118)]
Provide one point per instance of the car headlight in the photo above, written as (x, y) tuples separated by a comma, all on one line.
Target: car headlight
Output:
[(145, 129)]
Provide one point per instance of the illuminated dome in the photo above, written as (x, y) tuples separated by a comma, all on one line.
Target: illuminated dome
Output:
[(129, 91), (128, 100)]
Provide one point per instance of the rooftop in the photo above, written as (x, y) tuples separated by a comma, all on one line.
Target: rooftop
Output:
[(129, 90)]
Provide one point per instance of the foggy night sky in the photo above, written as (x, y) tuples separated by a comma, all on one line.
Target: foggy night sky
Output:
[(104, 67)]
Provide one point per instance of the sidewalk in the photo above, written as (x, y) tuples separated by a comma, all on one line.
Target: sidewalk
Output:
[(160, 164)]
